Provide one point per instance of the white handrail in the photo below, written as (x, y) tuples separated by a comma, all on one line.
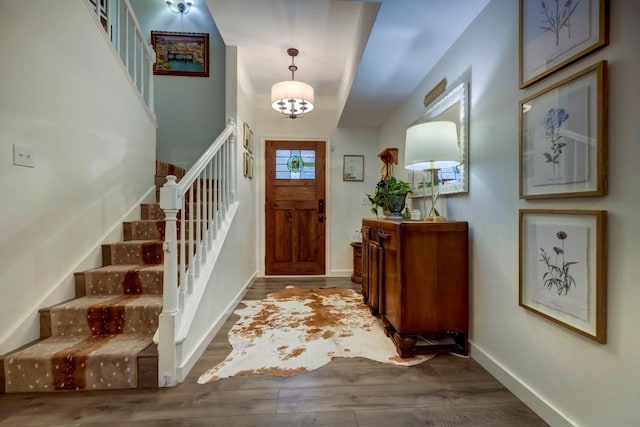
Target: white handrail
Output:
[(200, 200)]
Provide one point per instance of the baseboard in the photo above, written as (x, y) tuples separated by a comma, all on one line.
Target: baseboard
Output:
[(188, 362), (533, 400), (340, 273)]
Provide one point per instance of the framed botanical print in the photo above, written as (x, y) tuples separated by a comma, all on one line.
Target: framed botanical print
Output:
[(554, 33), (563, 138), (563, 268)]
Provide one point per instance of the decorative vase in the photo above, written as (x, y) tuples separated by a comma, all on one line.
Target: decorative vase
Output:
[(394, 203)]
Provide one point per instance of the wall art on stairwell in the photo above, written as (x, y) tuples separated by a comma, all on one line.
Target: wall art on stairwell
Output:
[(554, 33), (563, 268), (563, 138), (181, 54)]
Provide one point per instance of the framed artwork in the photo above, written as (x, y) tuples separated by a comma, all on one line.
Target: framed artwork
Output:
[(181, 54), (353, 167), (563, 138), (563, 268), (247, 161), (247, 135), (554, 33)]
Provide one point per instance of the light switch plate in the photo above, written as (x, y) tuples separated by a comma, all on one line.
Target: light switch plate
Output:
[(24, 156)]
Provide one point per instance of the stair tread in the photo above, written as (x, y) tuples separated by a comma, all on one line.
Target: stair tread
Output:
[(126, 267)]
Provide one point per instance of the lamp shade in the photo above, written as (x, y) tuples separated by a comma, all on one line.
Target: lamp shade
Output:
[(292, 97), (431, 145)]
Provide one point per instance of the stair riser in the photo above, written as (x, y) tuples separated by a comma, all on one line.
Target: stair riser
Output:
[(132, 282), (104, 320), (140, 253), (152, 211), (145, 230)]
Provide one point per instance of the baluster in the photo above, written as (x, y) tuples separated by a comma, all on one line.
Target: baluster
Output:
[(211, 225), (198, 239), (189, 243), (183, 255)]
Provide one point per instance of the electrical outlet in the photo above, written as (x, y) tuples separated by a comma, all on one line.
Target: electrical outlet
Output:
[(24, 156)]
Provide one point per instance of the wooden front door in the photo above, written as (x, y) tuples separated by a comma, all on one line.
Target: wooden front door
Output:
[(295, 208)]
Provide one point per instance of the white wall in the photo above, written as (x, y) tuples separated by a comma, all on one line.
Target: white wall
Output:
[(349, 203), (65, 96), (566, 378), (190, 110)]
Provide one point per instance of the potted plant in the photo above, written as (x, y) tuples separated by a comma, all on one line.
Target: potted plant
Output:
[(390, 195)]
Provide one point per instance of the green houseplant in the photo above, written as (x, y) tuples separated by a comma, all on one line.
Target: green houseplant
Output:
[(390, 195)]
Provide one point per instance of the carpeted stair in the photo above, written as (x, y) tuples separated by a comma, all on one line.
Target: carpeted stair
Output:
[(102, 339)]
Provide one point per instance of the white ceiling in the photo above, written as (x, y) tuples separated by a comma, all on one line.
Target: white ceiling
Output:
[(368, 54)]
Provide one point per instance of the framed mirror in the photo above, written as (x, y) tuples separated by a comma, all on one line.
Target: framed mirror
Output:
[(453, 106)]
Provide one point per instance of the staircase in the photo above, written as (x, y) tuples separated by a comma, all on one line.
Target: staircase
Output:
[(102, 339)]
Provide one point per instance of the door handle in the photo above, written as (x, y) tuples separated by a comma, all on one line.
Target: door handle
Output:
[(320, 210)]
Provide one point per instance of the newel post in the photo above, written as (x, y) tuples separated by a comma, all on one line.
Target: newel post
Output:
[(168, 322)]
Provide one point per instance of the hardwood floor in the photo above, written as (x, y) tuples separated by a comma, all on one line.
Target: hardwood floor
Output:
[(445, 391)]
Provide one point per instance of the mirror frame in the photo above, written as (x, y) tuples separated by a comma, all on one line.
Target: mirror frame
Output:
[(458, 93)]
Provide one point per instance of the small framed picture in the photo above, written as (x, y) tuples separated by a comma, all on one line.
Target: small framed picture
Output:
[(554, 33), (246, 130), (245, 164), (563, 138), (563, 268), (353, 167)]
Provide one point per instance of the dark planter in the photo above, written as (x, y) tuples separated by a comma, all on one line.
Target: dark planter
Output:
[(394, 203)]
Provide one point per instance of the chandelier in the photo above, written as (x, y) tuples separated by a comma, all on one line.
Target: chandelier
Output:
[(292, 98)]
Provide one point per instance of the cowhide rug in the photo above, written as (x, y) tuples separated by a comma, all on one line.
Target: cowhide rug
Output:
[(299, 330)]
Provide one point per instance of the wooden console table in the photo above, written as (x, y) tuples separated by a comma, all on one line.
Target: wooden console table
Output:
[(415, 279)]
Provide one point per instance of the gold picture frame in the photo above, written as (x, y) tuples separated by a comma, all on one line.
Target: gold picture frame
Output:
[(563, 268), (563, 137), (555, 33)]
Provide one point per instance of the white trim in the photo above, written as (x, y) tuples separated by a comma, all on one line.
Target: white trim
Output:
[(187, 363), (542, 407)]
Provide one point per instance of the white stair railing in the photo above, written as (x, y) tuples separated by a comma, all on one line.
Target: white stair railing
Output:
[(122, 27), (194, 209)]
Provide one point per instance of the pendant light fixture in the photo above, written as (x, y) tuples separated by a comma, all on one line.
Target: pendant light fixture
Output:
[(293, 99)]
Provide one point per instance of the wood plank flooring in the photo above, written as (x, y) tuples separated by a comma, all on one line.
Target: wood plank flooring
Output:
[(445, 391)]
